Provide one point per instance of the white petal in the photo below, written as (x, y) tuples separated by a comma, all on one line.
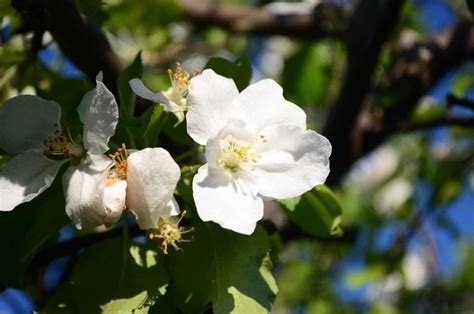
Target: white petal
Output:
[(171, 209), (84, 190), (292, 161), (24, 177), (141, 90), (262, 104), (209, 104), (152, 176), (114, 200), (26, 121), (98, 112), (225, 201)]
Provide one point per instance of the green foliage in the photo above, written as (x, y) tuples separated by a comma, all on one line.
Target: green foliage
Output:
[(113, 276), (317, 212), (223, 270), (307, 74), (28, 229), (240, 70), (126, 95)]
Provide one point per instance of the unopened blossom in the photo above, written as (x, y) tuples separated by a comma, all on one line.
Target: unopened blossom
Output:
[(142, 181), (30, 131), (257, 147), (174, 98)]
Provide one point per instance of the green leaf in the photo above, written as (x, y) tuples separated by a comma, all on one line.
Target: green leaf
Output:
[(28, 228), (307, 73), (127, 97), (222, 269), (240, 70), (112, 277), (153, 120), (318, 212)]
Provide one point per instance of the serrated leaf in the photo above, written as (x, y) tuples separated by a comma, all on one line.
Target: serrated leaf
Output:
[(127, 97), (240, 70), (230, 272), (318, 212), (112, 277)]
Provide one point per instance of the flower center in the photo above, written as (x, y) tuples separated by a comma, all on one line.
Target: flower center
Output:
[(236, 154), (62, 145), (119, 170), (179, 85), (171, 234)]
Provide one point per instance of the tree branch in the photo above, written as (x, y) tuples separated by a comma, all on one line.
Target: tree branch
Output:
[(79, 39), (326, 22), (413, 72), (369, 27)]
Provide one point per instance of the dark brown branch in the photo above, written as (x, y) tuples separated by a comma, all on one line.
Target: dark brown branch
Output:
[(414, 71), (326, 22), (82, 42), (465, 122), (453, 100), (78, 38), (369, 27)]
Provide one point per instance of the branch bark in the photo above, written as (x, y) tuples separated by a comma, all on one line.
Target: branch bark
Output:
[(327, 21), (413, 72), (369, 27)]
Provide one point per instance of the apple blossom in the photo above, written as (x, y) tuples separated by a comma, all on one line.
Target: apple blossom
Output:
[(257, 147), (174, 98), (31, 132), (142, 181)]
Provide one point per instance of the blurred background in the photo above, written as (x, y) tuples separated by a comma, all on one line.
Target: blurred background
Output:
[(389, 82)]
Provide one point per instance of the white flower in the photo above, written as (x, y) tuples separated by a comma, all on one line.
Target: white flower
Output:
[(257, 147), (31, 131), (143, 181), (173, 99)]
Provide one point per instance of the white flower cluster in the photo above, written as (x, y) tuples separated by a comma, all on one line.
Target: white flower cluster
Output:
[(257, 148)]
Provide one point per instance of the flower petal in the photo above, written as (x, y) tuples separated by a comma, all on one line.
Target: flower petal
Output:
[(225, 201), (114, 200), (141, 90), (98, 112), (209, 104), (84, 191), (292, 161), (262, 104), (24, 177), (26, 121), (152, 176)]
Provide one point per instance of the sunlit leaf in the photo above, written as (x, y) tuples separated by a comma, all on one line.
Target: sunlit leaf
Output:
[(112, 277), (240, 70), (318, 212), (229, 272)]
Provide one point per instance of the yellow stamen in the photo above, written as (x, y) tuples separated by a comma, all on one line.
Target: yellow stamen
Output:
[(119, 170), (62, 145), (171, 234)]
